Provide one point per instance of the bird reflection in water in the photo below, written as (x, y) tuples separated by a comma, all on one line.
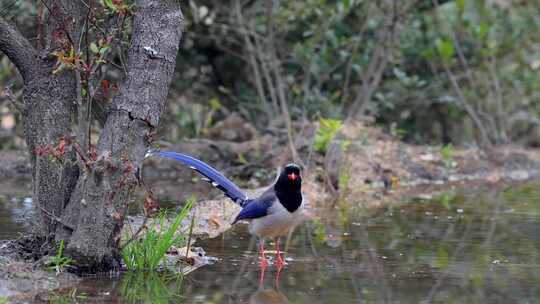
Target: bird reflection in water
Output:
[(268, 295)]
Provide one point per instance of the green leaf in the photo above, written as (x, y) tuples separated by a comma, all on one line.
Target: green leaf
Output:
[(109, 4), (482, 30), (447, 155), (445, 48), (429, 53), (104, 49), (215, 104), (94, 48), (328, 128)]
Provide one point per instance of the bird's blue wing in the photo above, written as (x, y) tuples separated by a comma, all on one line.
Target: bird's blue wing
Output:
[(253, 210), (257, 207), (213, 176)]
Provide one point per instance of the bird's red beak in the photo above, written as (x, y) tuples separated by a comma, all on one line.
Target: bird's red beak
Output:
[(292, 176)]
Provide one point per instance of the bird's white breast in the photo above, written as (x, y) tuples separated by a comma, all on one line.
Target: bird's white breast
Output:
[(276, 223)]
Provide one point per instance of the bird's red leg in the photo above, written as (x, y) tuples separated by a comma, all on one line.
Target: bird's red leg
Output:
[(279, 260), (276, 282), (263, 263)]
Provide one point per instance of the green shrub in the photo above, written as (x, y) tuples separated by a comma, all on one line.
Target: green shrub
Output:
[(328, 128), (447, 155)]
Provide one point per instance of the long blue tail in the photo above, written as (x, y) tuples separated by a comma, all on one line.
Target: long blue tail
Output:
[(212, 175)]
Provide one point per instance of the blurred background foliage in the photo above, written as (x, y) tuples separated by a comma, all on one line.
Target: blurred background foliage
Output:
[(462, 72)]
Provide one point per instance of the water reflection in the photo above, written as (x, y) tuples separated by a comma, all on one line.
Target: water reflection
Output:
[(482, 248), (150, 287), (269, 294), (456, 248), (15, 213)]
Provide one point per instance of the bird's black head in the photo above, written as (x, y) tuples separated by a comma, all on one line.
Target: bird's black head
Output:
[(288, 187)]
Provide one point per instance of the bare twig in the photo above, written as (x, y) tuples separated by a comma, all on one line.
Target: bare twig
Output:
[(251, 57), (266, 72), (280, 84), (55, 218), (63, 27), (6, 92), (484, 139), (136, 234), (501, 120), (379, 60), (190, 235)]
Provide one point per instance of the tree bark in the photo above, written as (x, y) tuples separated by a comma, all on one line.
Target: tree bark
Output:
[(17, 49), (47, 102), (98, 206)]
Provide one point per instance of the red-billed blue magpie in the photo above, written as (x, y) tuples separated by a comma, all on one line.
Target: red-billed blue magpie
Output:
[(272, 214)]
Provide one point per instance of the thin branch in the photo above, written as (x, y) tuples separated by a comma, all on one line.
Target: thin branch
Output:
[(6, 92), (85, 4), (68, 35), (88, 119), (136, 234), (55, 218), (375, 69), (484, 140), (18, 50), (252, 59), (501, 120), (275, 64), (190, 235)]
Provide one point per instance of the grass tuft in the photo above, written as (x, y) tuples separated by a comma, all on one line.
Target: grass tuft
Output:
[(147, 252), (59, 262)]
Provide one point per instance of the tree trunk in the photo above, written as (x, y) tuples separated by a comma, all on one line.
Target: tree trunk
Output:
[(46, 118), (81, 199), (98, 206), (48, 101)]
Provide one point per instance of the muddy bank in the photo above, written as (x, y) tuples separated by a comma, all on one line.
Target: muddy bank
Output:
[(22, 282)]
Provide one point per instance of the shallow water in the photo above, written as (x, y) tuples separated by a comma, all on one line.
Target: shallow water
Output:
[(15, 212), (478, 248)]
